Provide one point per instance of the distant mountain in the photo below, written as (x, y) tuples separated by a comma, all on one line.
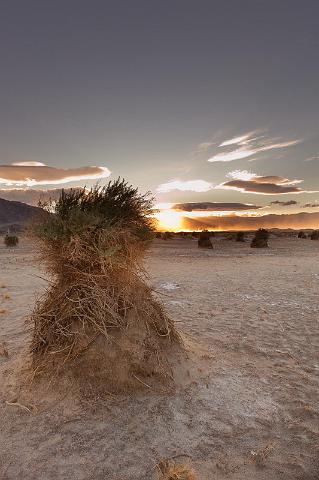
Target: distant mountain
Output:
[(16, 214)]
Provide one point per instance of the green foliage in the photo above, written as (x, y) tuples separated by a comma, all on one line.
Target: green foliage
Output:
[(11, 240), (116, 205)]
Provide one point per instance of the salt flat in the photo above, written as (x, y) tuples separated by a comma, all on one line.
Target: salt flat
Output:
[(248, 408)]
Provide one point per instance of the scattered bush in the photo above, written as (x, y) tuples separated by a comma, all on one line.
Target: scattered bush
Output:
[(240, 237), (260, 239), (11, 240), (99, 319), (314, 235), (302, 234), (167, 235), (204, 240)]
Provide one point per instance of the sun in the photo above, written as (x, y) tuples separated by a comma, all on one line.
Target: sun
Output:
[(169, 220)]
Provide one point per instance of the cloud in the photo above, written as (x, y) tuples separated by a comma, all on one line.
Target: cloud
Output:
[(311, 159), (234, 222), (284, 204), (264, 185), (242, 140), (189, 185), (35, 173), (214, 206), (248, 145), (32, 196), (311, 205)]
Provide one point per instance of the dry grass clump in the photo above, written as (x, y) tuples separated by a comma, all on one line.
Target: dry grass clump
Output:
[(99, 318), (169, 470), (260, 239), (11, 240), (204, 240)]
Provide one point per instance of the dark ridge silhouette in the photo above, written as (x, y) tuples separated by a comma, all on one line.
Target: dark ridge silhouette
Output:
[(16, 213)]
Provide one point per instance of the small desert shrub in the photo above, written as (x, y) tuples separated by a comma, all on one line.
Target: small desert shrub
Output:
[(11, 240), (99, 317), (169, 470), (167, 235), (314, 235), (204, 240), (302, 234), (260, 239), (158, 235), (240, 237)]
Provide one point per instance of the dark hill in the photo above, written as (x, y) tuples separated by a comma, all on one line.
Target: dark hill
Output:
[(16, 213)]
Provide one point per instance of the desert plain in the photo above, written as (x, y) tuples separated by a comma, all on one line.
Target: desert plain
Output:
[(247, 407)]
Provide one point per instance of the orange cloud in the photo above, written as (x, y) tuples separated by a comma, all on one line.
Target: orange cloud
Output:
[(264, 185), (214, 206), (234, 222)]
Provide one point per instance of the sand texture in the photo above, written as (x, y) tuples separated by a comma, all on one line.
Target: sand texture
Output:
[(245, 406)]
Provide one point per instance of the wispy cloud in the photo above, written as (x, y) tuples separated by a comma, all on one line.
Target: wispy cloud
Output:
[(241, 140), (284, 204), (313, 158), (245, 181), (214, 206), (311, 205), (248, 145), (188, 185), (29, 174)]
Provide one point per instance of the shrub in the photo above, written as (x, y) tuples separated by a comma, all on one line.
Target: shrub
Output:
[(302, 234), (260, 239), (167, 235), (11, 240), (240, 237), (99, 317), (314, 235), (204, 240)]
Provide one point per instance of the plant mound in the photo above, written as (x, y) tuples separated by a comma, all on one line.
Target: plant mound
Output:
[(240, 237), (11, 240), (260, 239), (204, 240), (99, 319), (314, 235), (302, 234)]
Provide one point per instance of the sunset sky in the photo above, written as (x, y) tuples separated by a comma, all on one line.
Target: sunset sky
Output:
[(211, 105)]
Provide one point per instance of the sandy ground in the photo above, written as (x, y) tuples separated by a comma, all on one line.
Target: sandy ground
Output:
[(250, 409)]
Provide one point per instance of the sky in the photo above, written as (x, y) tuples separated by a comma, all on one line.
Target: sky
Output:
[(213, 106)]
